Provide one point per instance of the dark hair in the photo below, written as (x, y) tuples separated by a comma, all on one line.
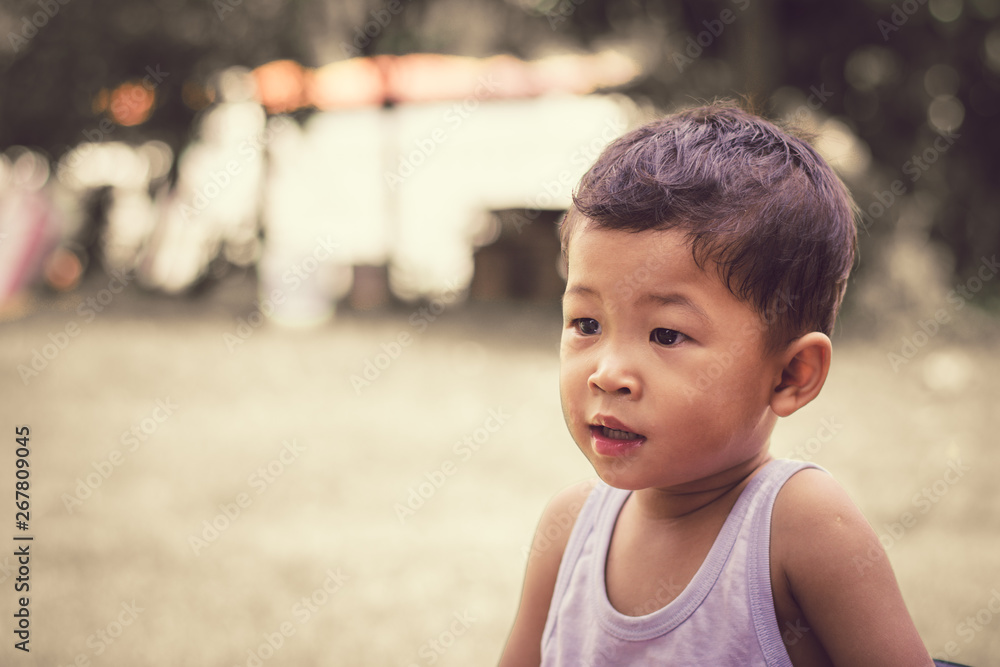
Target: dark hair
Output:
[(756, 200)]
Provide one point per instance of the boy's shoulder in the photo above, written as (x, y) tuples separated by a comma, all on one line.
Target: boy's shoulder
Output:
[(813, 502), (831, 576), (815, 522), (544, 558), (557, 521), (561, 513), (817, 533)]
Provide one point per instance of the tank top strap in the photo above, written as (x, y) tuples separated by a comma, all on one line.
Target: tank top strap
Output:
[(762, 611)]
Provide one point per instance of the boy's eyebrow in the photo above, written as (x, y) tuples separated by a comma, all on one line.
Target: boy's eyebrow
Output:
[(579, 289), (668, 299), (675, 299)]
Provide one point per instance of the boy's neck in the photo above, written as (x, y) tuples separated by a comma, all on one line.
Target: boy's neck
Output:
[(687, 501)]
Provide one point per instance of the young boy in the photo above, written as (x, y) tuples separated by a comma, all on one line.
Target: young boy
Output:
[(707, 254)]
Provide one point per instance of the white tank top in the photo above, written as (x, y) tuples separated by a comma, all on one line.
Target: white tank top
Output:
[(723, 617)]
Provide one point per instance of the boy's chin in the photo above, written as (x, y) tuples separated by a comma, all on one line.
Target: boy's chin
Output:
[(620, 473), (622, 483)]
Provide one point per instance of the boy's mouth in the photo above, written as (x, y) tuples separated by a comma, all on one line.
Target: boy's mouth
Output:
[(617, 434), (610, 437), (609, 427)]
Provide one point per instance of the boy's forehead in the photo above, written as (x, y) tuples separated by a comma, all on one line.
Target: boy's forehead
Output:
[(650, 249), (630, 264)]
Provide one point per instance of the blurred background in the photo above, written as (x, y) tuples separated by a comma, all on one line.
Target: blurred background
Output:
[(279, 295)]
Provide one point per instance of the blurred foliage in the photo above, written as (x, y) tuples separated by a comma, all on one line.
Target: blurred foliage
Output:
[(48, 85), (886, 70)]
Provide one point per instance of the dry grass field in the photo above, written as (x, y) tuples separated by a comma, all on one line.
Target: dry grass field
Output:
[(200, 502)]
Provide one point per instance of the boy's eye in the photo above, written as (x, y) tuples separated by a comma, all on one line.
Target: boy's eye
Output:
[(587, 326), (666, 337)]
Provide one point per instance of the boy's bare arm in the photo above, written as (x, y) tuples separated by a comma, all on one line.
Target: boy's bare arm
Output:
[(839, 576), (524, 645)]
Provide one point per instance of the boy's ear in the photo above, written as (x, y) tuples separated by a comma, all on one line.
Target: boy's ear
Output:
[(806, 362)]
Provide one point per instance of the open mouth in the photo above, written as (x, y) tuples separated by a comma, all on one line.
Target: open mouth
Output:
[(614, 440), (608, 427), (617, 434)]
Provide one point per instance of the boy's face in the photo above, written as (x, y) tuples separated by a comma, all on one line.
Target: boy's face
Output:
[(664, 379)]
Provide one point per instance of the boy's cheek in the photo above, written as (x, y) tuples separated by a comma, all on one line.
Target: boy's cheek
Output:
[(563, 342), (569, 383), (569, 346), (571, 414)]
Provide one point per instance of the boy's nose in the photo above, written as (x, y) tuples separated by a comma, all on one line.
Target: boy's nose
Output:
[(614, 375)]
